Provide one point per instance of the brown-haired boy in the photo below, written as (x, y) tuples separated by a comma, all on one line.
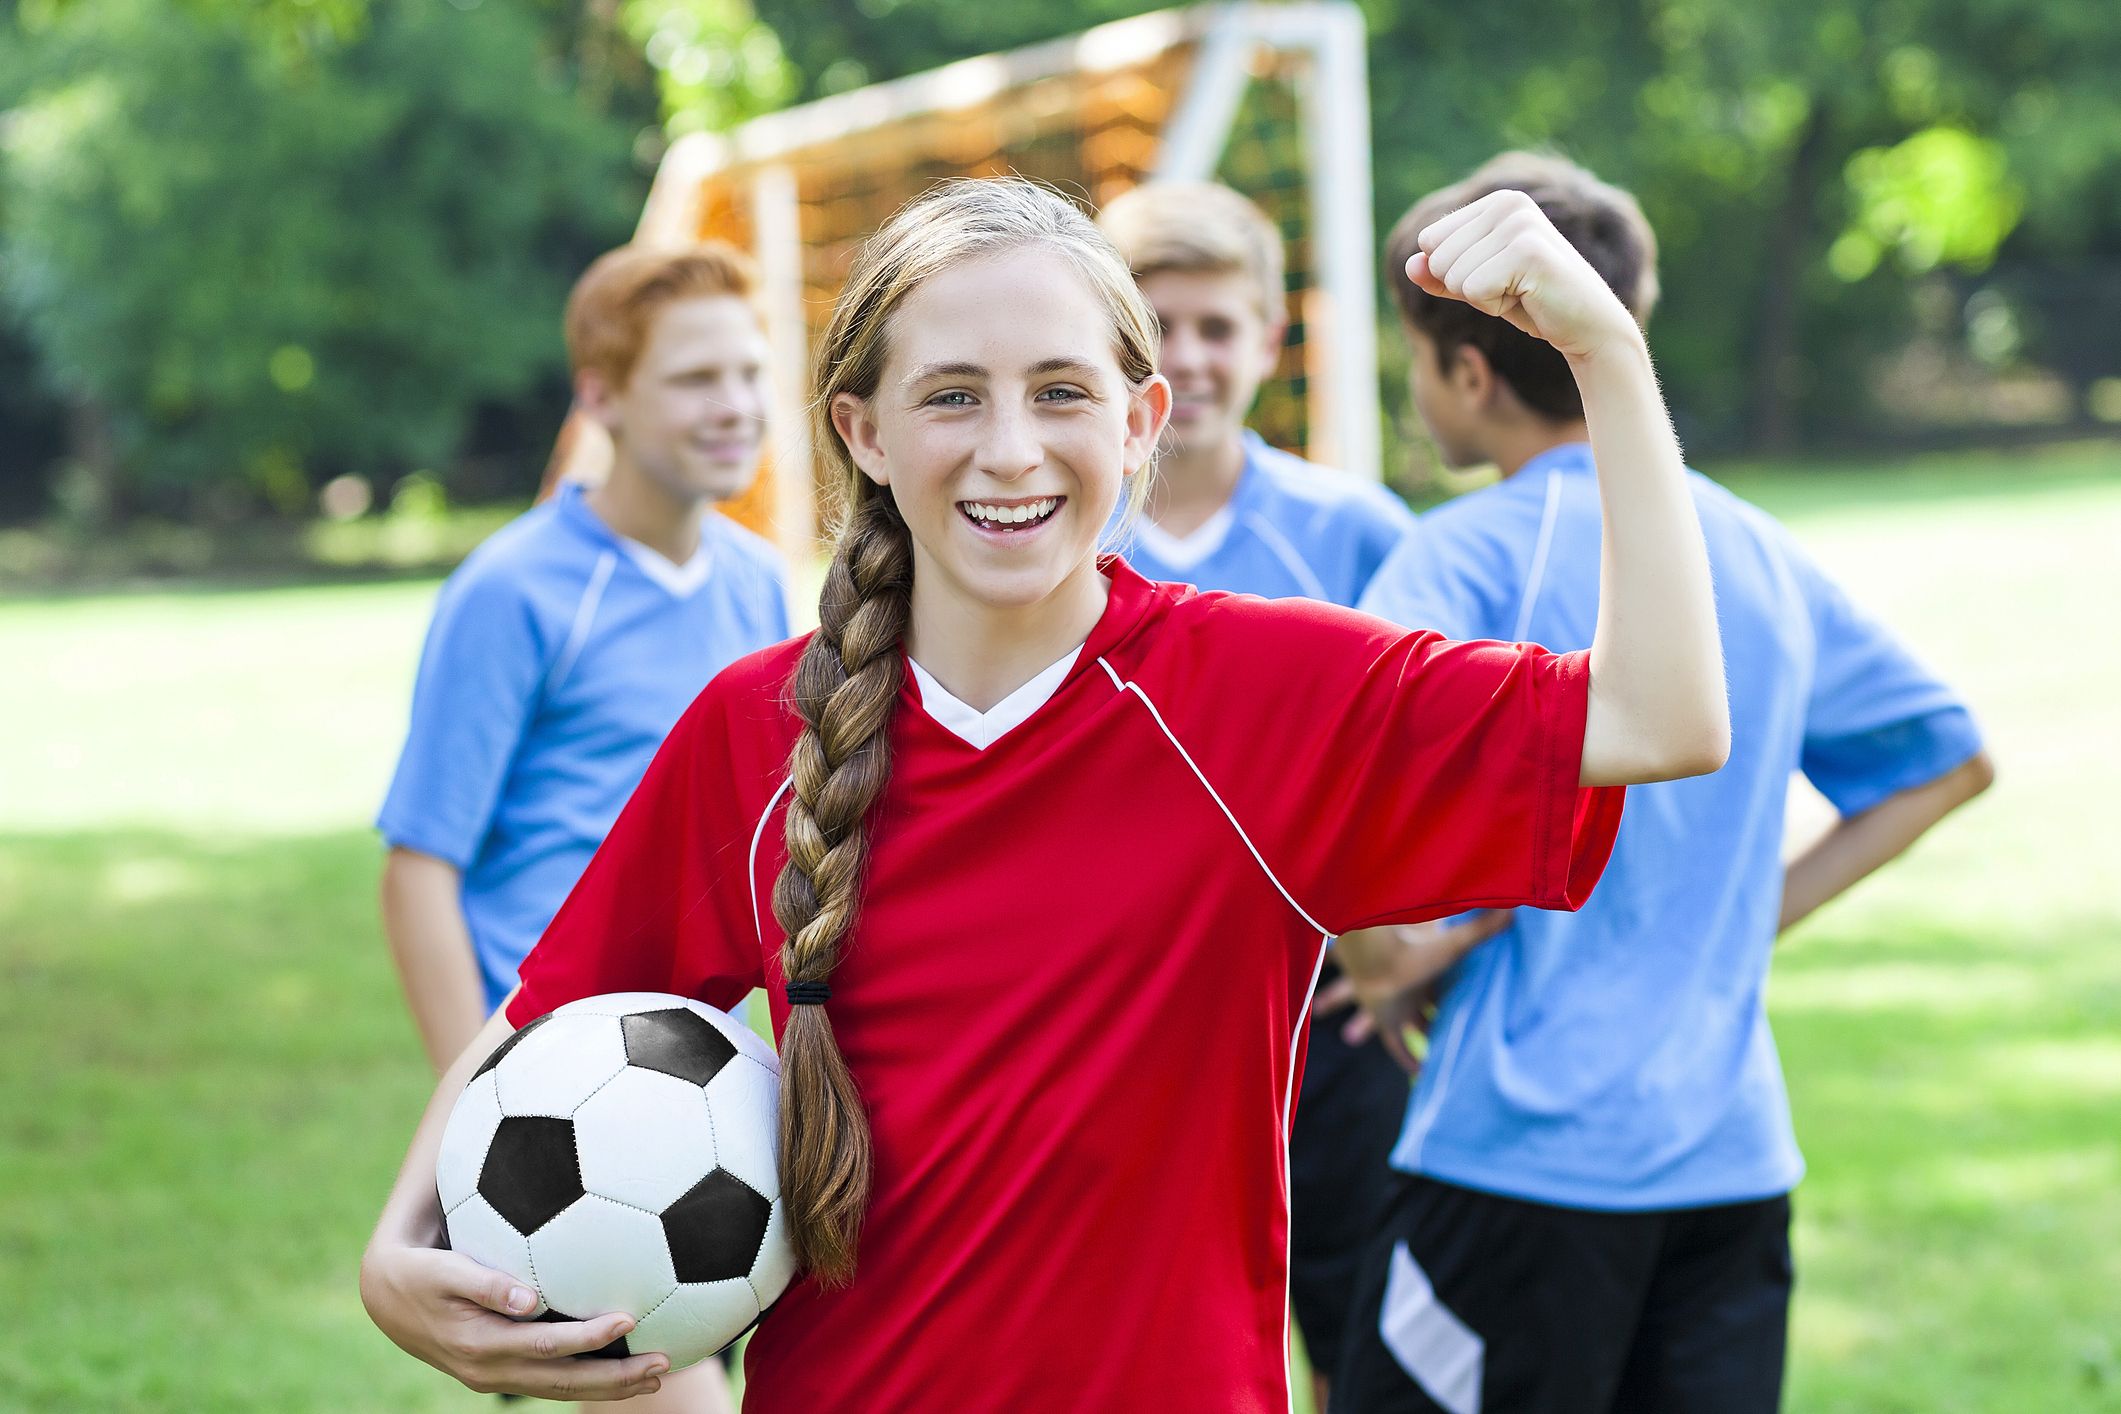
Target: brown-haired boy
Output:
[(1593, 1212)]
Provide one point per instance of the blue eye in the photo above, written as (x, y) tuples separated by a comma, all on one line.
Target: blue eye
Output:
[(944, 399), (1063, 394)]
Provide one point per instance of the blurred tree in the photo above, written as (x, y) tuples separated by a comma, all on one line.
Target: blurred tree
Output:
[(245, 244), (251, 265)]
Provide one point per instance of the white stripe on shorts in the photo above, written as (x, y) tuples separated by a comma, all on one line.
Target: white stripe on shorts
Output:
[(1438, 1351)]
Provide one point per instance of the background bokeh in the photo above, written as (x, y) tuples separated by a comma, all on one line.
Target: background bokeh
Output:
[(279, 293)]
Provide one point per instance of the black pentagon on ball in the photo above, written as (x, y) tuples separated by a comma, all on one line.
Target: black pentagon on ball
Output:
[(715, 1230), (615, 1351), (676, 1042), (508, 1045), (531, 1172)]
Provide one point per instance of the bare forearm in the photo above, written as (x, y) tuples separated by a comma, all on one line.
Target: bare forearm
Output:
[(424, 920), (1859, 845), (412, 1215), (1658, 709)]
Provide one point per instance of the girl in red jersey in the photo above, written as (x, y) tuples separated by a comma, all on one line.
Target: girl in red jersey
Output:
[(1037, 859)]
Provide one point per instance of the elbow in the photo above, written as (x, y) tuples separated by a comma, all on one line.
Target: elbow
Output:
[(1702, 747), (1699, 748), (1704, 757), (1975, 775)]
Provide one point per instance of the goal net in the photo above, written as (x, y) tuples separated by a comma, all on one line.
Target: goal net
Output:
[(1268, 98)]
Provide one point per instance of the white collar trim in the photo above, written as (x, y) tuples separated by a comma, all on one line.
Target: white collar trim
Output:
[(1183, 552), (681, 581), (983, 729)]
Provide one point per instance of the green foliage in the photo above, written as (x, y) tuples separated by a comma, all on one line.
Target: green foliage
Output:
[(1941, 197), (716, 63), (280, 262)]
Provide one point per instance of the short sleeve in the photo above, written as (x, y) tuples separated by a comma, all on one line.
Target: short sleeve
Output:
[(1421, 587), (1878, 721), (472, 699), (666, 903), (1413, 776)]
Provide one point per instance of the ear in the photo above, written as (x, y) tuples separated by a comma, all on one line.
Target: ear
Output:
[(1277, 330), (1473, 375), (1148, 409), (852, 419), (597, 398)]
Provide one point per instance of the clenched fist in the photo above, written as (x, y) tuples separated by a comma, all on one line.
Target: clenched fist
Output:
[(1501, 255)]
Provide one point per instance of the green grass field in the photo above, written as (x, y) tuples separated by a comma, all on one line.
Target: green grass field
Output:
[(206, 1076)]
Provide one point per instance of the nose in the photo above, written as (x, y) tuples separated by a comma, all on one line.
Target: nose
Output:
[(1181, 351), (1008, 446), (737, 400)]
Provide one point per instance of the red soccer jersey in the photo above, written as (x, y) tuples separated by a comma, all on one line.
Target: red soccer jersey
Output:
[(1074, 995)]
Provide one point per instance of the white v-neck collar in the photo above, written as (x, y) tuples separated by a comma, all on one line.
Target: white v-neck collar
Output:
[(1183, 552), (983, 729), (681, 581)]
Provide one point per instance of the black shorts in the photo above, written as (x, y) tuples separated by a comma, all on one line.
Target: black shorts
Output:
[(1477, 1304), (1348, 1113)]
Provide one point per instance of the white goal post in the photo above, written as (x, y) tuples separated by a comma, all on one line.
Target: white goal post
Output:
[(1271, 98)]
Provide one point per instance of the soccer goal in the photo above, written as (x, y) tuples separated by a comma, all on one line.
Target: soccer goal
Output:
[(1271, 99)]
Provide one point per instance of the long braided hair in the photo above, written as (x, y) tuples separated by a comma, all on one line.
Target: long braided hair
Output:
[(849, 676)]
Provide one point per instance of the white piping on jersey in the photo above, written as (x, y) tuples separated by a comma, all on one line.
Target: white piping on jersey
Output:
[(1228, 814), (751, 876), (1267, 531), (1303, 1013), (585, 614), (1540, 549), (1288, 1183)]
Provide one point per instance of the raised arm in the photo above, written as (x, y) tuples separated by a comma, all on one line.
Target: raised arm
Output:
[(1657, 708)]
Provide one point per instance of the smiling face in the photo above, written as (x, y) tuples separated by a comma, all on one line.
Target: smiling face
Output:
[(1218, 346), (691, 416), (1003, 427)]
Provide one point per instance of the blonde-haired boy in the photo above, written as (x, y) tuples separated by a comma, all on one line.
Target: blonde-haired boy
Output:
[(1226, 511)]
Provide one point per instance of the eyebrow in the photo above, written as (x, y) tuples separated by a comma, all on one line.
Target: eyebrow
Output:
[(1063, 364)]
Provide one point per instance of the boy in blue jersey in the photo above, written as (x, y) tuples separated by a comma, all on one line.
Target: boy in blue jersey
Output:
[(1226, 511), (565, 647), (1598, 1153)]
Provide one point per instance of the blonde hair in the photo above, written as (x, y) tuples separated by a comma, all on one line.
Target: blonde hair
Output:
[(615, 303), (1203, 226), (847, 681)]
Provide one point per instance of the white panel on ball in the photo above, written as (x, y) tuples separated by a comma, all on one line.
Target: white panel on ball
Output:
[(560, 1065), (471, 1126), (602, 1256), (695, 1321), (750, 1043), (645, 1139), (483, 1235), (744, 1088), (622, 1004), (775, 1265)]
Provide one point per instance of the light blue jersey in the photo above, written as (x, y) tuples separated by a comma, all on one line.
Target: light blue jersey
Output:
[(1290, 528), (1619, 1057), (559, 657)]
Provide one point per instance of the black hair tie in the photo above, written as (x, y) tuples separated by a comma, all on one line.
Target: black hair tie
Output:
[(807, 993)]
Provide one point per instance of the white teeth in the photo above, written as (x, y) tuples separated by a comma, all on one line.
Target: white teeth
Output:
[(1012, 515)]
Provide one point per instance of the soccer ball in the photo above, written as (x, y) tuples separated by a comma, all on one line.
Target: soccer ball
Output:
[(618, 1154)]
